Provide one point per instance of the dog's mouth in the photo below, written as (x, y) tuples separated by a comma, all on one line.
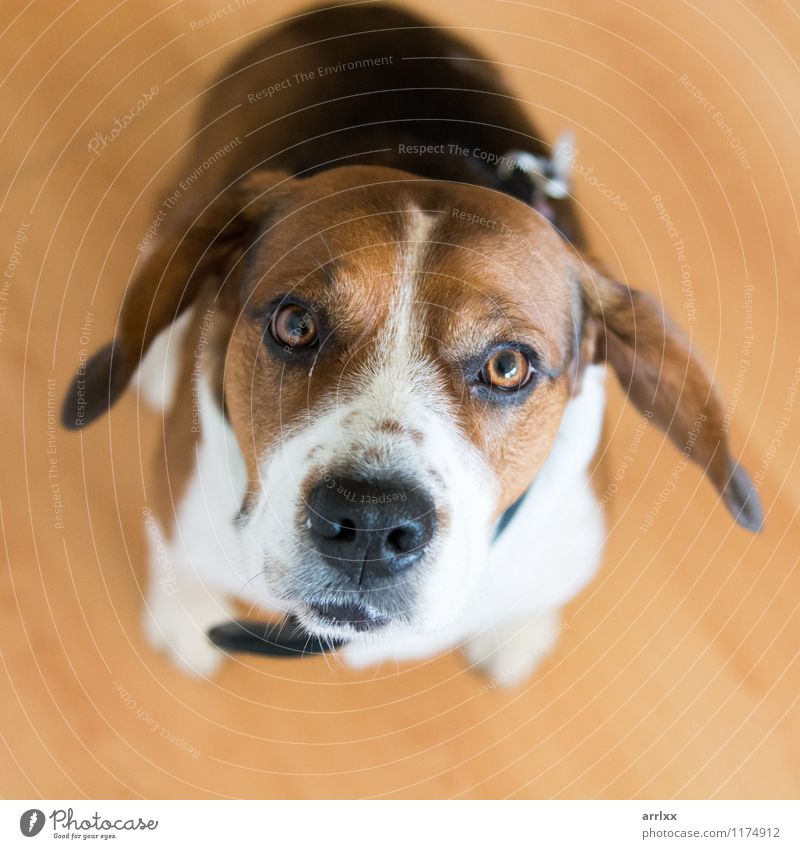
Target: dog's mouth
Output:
[(344, 617)]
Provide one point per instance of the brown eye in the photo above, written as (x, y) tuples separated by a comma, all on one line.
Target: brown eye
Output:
[(507, 369), (293, 326)]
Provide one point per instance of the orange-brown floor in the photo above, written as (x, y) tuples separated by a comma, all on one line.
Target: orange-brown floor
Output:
[(678, 673)]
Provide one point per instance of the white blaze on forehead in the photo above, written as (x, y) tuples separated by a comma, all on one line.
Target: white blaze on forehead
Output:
[(397, 371), (418, 226), (400, 326)]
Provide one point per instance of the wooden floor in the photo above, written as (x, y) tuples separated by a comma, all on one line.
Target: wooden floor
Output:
[(678, 672)]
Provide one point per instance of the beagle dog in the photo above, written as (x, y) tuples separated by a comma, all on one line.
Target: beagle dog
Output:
[(367, 315)]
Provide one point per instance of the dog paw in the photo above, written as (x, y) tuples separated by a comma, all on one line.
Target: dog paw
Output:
[(509, 653), (177, 624)]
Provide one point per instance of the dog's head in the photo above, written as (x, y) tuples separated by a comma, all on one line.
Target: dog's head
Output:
[(400, 356)]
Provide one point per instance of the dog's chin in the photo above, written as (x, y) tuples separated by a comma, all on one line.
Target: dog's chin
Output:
[(337, 620)]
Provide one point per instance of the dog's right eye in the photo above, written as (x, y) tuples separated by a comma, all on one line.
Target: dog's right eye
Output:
[(293, 326), (508, 370)]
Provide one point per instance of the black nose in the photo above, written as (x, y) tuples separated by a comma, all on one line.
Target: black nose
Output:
[(370, 527)]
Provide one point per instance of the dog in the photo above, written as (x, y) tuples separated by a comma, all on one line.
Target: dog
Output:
[(367, 314)]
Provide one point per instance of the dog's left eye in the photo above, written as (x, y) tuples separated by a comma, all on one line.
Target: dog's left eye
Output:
[(293, 326), (508, 369)]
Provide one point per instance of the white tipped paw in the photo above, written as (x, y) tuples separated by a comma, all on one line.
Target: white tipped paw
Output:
[(178, 622), (509, 653)]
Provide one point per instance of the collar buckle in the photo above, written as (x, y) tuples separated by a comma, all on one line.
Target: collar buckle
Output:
[(547, 177)]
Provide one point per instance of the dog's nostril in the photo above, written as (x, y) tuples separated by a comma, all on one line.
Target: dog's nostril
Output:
[(347, 530), (401, 540), (337, 530)]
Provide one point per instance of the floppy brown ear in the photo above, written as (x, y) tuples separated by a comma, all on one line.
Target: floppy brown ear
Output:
[(654, 362), (202, 238)]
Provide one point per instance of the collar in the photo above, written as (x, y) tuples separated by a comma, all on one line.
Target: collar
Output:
[(288, 638), (539, 180)]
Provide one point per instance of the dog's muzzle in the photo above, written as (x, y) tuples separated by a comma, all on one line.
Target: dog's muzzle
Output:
[(289, 638)]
